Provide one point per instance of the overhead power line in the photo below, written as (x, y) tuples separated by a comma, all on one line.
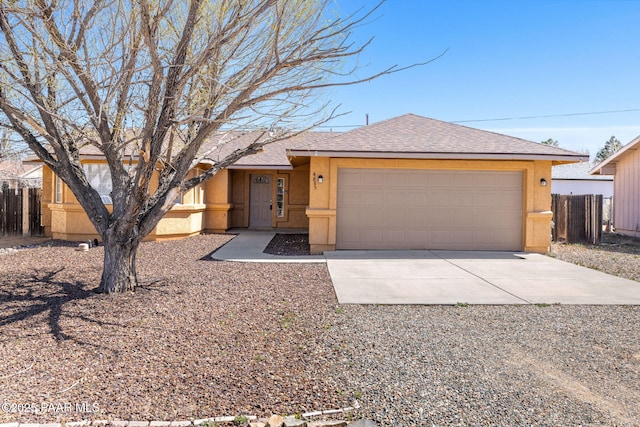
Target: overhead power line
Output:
[(547, 116), (591, 113)]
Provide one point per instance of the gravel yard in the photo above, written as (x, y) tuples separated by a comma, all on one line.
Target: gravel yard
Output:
[(204, 338), (199, 338), (618, 255)]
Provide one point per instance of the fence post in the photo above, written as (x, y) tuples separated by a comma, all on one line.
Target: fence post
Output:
[(577, 218), (25, 211)]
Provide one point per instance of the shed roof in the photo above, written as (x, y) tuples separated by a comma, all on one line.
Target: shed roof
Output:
[(608, 166)]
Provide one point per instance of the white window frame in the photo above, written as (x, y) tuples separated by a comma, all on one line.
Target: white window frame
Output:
[(280, 191), (58, 189)]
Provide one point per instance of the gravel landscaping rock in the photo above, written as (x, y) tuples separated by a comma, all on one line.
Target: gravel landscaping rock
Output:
[(484, 365), (617, 255), (288, 244), (197, 339), (203, 338)]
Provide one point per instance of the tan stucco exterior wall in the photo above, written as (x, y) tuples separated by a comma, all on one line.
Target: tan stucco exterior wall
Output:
[(217, 205), (48, 188), (217, 198), (321, 211), (296, 197), (68, 221)]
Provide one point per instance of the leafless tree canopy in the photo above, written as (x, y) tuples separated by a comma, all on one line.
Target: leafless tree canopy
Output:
[(147, 83)]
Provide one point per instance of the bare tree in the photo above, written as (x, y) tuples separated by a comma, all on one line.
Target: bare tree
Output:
[(146, 83), (11, 148), (6, 148)]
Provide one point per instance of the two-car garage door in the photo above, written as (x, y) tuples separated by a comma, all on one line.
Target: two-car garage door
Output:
[(429, 209)]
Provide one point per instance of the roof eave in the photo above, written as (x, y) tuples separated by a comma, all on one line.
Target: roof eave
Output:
[(83, 157), (613, 159), (261, 167), (568, 158), (604, 178)]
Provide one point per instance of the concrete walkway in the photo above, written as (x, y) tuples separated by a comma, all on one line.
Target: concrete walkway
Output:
[(447, 277), (248, 246)]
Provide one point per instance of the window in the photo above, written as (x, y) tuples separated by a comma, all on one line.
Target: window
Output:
[(58, 195), (261, 179), (198, 190), (178, 199), (99, 178), (280, 198)]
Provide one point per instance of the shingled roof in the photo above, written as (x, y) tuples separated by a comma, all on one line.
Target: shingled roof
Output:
[(222, 143), (608, 166), (577, 172), (407, 136), (272, 156), (412, 136)]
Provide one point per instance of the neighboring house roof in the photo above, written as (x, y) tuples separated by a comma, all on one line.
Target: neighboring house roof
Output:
[(608, 166), (577, 172), (16, 169), (20, 174), (34, 172), (412, 136)]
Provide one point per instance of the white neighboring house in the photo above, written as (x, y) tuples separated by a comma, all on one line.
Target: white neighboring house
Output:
[(574, 178), (15, 174)]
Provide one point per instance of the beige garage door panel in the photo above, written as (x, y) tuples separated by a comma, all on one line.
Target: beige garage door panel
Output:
[(418, 209)]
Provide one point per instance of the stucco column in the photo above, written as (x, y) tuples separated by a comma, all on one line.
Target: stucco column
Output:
[(538, 209), (322, 217), (217, 196)]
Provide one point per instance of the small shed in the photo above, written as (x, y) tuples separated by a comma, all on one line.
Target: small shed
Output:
[(624, 167)]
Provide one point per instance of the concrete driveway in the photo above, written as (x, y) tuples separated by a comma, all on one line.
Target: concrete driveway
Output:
[(450, 277)]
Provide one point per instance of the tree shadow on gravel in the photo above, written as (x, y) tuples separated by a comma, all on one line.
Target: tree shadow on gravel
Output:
[(28, 297)]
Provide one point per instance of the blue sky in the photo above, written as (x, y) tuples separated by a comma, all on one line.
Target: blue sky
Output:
[(505, 59)]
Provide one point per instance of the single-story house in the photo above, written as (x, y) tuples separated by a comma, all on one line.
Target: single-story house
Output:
[(15, 174), (624, 166), (574, 178), (409, 182)]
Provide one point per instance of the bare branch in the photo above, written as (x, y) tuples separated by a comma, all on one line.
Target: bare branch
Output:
[(146, 84)]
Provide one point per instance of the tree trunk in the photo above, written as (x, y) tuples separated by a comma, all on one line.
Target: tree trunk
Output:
[(119, 270)]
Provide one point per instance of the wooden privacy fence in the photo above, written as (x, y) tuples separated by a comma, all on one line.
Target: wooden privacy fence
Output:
[(20, 212), (577, 218)]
